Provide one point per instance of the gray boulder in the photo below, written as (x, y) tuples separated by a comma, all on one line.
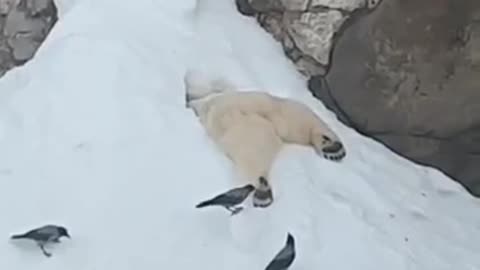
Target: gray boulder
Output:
[(401, 71), (407, 75)]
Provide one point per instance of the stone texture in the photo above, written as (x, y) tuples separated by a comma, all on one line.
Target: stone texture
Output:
[(24, 47), (24, 24), (407, 75), (305, 28), (348, 5), (244, 7), (295, 5), (6, 61), (7, 5), (266, 5), (273, 24), (37, 6), (312, 32), (371, 4), (309, 67)]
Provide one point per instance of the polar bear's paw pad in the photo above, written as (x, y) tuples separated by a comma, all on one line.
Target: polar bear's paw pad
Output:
[(263, 195), (262, 198), (334, 151)]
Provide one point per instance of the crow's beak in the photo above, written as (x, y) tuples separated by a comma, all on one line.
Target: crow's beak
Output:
[(68, 236)]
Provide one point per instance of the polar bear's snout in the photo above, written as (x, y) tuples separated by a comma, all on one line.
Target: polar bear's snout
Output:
[(188, 98), (191, 101)]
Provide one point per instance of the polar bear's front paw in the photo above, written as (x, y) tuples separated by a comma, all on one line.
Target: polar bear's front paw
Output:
[(333, 150)]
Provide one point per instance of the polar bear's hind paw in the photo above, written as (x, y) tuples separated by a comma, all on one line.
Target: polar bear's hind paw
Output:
[(262, 198), (263, 195), (334, 151)]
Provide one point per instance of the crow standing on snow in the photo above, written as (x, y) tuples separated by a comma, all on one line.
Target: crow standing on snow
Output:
[(44, 235), (284, 257), (230, 199)]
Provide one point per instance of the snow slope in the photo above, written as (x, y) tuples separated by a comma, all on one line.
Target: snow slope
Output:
[(94, 134)]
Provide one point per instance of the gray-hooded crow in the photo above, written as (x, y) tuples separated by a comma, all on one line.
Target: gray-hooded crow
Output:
[(230, 199), (284, 258), (44, 235)]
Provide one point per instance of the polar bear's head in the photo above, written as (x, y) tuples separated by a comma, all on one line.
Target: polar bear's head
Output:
[(200, 88)]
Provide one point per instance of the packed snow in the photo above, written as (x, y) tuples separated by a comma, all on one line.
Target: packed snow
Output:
[(95, 136)]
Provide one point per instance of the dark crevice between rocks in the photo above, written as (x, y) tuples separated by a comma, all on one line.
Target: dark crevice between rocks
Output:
[(23, 28)]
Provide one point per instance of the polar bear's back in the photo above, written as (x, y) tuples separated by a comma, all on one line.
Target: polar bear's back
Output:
[(248, 102), (252, 144), (294, 122)]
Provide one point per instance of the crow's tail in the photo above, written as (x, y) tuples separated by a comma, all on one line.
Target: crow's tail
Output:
[(205, 204), (18, 236)]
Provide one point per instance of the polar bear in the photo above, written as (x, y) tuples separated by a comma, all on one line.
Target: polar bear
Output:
[(251, 127)]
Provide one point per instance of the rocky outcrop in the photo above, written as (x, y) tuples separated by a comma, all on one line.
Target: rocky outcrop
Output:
[(306, 28), (404, 73), (412, 69), (24, 24)]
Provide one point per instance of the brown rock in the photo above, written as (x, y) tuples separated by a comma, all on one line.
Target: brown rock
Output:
[(407, 74)]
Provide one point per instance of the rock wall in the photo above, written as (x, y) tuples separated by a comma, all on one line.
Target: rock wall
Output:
[(24, 24), (306, 28), (404, 72)]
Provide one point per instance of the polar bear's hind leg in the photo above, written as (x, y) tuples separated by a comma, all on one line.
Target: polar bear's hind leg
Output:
[(297, 123)]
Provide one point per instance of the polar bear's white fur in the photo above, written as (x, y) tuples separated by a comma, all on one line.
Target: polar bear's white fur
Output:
[(252, 127)]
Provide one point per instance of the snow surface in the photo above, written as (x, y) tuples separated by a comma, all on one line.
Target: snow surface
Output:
[(94, 135)]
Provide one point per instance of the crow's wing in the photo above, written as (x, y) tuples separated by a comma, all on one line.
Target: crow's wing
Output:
[(283, 259), (44, 234)]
